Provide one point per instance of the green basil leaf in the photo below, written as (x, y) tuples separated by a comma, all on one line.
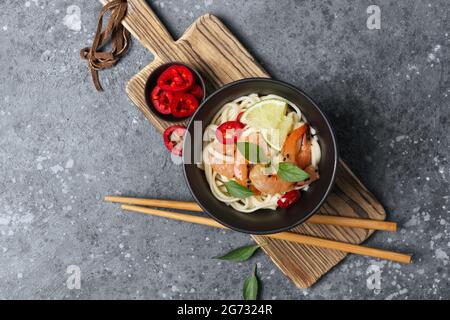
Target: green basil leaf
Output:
[(240, 254), (250, 290), (291, 173), (252, 152), (236, 190)]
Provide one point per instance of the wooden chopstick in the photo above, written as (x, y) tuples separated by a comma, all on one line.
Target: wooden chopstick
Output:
[(315, 219), (286, 236)]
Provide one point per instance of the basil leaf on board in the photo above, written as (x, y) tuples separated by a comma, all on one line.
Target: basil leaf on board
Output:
[(250, 290), (240, 254), (252, 152), (291, 173), (236, 190)]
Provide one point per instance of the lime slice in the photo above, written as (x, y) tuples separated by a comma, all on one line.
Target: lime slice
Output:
[(275, 137), (266, 114)]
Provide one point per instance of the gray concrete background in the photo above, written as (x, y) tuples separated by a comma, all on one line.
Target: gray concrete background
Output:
[(64, 146)]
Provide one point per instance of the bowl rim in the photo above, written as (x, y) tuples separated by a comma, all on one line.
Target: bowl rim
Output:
[(334, 145), (161, 68)]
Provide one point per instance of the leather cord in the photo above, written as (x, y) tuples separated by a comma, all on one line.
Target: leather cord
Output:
[(114, 31)]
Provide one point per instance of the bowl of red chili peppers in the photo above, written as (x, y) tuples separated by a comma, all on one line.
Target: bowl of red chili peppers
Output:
[(174, 91)]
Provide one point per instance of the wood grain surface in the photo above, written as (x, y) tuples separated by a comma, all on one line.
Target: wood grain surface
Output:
[(215, 52)]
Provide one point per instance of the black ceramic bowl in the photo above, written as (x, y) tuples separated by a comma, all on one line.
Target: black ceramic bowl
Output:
[(263, 221), (151, 83)]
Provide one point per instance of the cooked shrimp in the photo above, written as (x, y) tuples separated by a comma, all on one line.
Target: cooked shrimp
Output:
[(297, 147), (255, 191), (228, 162), (241, 164), (222, 159), (268, 184), (240, 169), (304, 156), (224, 169), (292, 144), (313, 176)]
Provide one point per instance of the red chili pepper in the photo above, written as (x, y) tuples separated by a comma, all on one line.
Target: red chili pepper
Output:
[(289, 198), (161, 100), (197, 91), (176, 78), (155, 93), (173, 139), (183, 105), (228, 132)]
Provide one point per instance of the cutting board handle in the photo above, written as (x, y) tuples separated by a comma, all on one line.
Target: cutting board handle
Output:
[(145, 25)]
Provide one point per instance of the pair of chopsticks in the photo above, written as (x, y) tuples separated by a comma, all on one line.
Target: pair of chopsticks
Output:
[(140, 205)]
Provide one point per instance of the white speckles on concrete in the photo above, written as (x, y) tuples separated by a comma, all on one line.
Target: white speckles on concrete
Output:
[(15, 220), (69, 164), (432, 56), (437, 236), (413, 68), (400, 138), (47, 55), (396, 294), (27, 218), (4, 221), (441, 255), (56, 168), (72, 20), (412, 222)]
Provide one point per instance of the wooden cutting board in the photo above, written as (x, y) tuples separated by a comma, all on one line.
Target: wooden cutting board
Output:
[(215, 52)]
